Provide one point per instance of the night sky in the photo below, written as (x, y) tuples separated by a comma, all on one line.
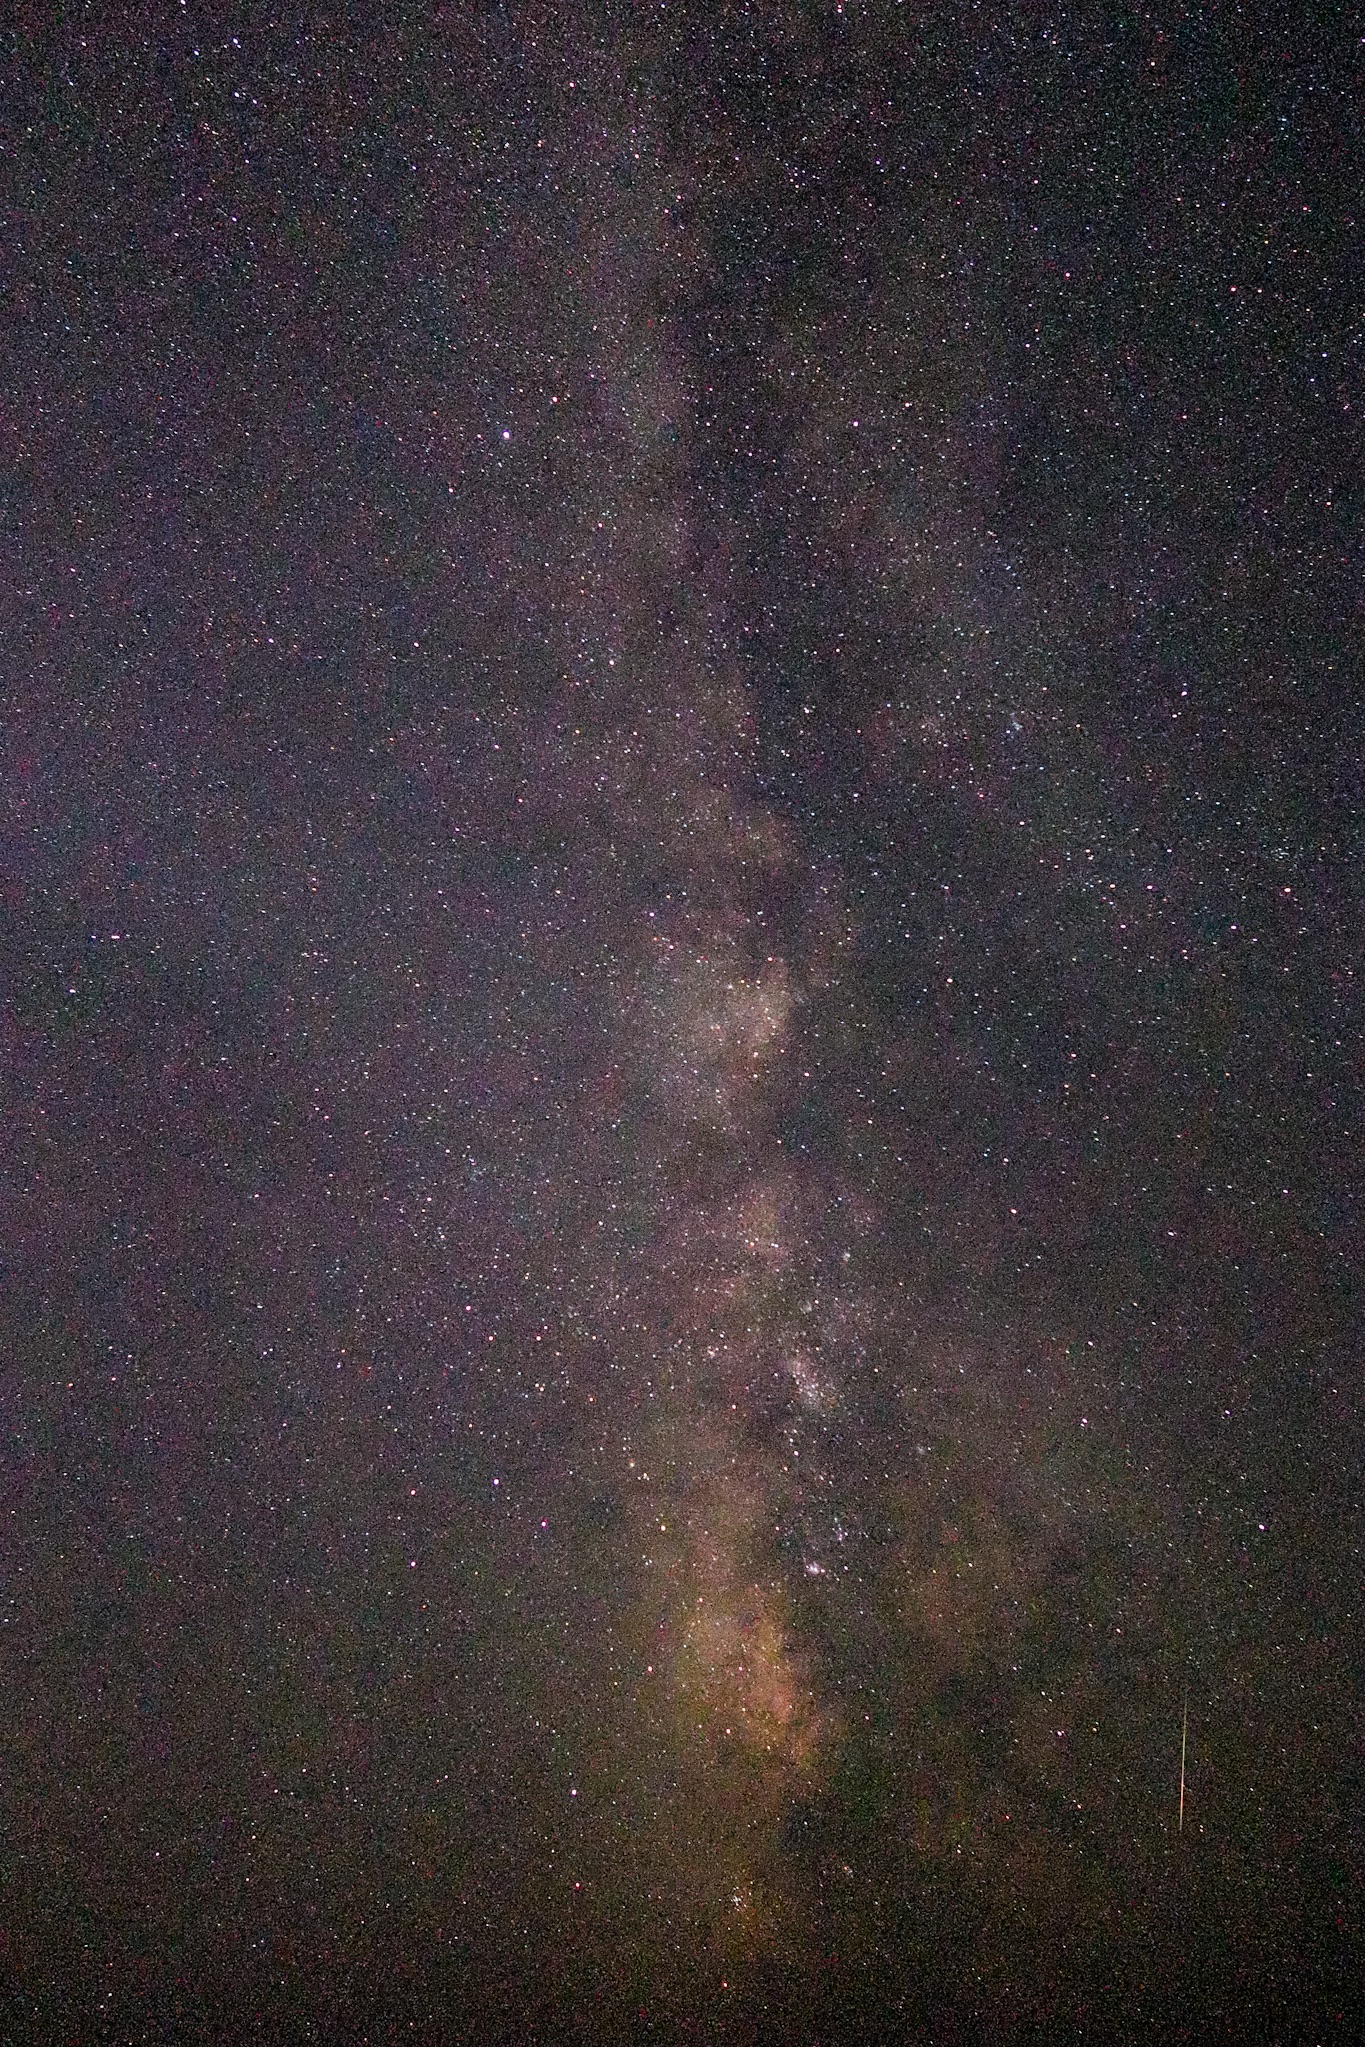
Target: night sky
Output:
[(682, 872)]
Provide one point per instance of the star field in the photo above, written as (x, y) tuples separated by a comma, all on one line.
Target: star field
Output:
[(680, 886)]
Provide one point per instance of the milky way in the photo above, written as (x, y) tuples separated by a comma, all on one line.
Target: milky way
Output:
[(680, 1029)]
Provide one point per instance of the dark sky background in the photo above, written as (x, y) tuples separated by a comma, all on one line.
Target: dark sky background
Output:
[(682, 879)]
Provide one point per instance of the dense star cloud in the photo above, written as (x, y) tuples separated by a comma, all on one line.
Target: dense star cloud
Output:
[(680, 1028)]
